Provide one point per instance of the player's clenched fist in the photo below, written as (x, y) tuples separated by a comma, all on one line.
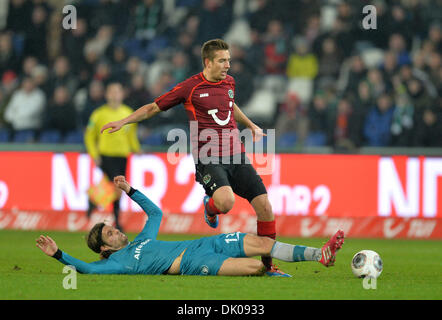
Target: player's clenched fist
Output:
[(120, 182)]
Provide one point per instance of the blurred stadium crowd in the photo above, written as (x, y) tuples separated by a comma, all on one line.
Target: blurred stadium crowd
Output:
[(307, 68)]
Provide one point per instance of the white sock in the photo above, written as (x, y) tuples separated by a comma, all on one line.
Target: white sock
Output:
[(293, 253)]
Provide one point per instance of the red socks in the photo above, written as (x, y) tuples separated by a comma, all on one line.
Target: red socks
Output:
[(211, 208), (267, 229)]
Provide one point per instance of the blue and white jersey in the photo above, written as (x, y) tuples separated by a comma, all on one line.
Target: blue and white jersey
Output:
[(144, 255)]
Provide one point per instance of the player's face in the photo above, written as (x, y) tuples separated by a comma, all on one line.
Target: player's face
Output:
[(113, 237), (219, 66)]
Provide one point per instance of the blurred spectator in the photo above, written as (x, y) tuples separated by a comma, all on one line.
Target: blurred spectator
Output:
[(60, 113), (95, 98), (419, 97), (357, 73), (402, 124), (117, 61), (9, 59), (100, 42), (435, 36), (26, 107), (312, 29), (434, 65), (40, 75), (9, 83), (376, 82), (73, 42), (215, 17), (134, 66), (428, 131), (19, 11), (185, 42), (364, 98), (377, 126), (329, 59), (180, 67), (400, 23), (342, 29), (292, 117), (36, 34), (106, 12), (320, 116), (398, 46), (255, 54), (348, 121), (260, 17), (147, 19), (302, 63), (138, 94), (29, 63), (275, 48), (103, 72), (243, 87), (390, 67), (61, 76)]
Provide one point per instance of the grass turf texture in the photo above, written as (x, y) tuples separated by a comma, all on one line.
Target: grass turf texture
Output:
[(412, 270)]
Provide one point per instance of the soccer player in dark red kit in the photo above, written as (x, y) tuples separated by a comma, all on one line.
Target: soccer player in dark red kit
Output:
[(208, 99)]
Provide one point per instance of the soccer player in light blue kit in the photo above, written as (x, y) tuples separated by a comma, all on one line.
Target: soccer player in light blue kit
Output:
[(225, 254)]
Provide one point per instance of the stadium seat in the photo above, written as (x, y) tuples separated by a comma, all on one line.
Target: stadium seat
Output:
[(287, 140), (262, 105), (154, 139), (24, 136), (316, 139), (328, 16), (74, 137), (372, 57), (5, 135), (303, 88), (50, 136), (239, 33)]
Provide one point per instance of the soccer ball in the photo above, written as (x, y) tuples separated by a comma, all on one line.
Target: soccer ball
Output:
[(366, 263)]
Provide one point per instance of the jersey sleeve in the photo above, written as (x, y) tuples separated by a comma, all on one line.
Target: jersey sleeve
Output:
[(154, 214), (105, 266), (176, 96)]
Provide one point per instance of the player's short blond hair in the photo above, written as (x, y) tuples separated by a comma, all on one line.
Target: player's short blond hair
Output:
[(210, 47)]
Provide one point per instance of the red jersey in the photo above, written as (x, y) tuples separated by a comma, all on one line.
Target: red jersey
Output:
[(210, 104)]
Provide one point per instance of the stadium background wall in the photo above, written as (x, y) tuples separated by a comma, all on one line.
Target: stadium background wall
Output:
[(311, 195)]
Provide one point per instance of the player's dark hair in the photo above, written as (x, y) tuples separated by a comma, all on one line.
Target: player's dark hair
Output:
[(95, 241), (94, 238), (210, 47)]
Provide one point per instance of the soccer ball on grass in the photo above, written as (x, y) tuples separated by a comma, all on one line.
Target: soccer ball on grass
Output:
[(366, 263)]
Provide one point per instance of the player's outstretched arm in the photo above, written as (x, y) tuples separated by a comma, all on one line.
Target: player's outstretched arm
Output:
[(50, 248), (154, 213), (145, 112)]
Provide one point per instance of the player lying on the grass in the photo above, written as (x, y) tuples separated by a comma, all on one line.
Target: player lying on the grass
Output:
[(224, 254)]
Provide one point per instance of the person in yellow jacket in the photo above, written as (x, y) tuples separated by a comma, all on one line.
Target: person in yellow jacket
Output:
[(110, 151)]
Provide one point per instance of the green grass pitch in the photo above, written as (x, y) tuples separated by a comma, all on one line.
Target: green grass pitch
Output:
[(412, 270)]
